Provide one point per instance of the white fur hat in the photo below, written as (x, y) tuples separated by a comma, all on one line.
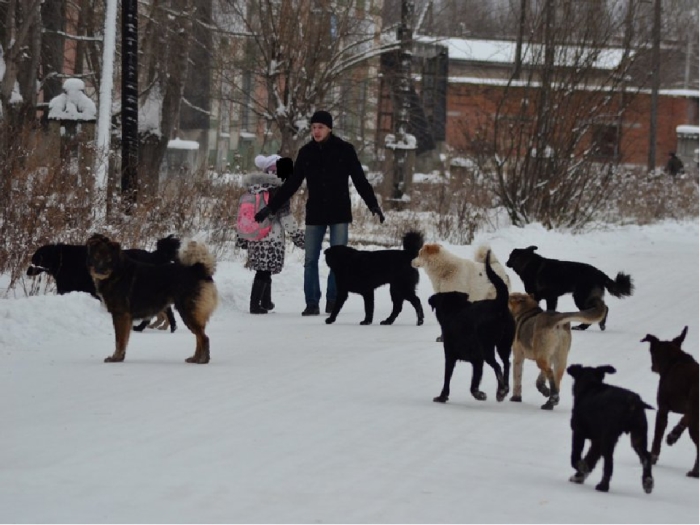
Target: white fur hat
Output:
[(266, 163)]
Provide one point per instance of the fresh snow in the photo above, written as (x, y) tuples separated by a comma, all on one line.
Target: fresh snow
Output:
[(296, 421)]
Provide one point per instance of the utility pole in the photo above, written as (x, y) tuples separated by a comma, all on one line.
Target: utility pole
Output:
[(403, 143), (655, 84), (104, 120), (130, 103)]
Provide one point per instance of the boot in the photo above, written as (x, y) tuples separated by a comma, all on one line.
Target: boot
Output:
[(266, 302), (256, 295)]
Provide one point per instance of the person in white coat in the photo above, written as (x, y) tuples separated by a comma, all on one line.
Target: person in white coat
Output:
[(266, 256)]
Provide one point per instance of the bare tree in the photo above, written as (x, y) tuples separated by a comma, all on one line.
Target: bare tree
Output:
[(289, 57), (553, 144)]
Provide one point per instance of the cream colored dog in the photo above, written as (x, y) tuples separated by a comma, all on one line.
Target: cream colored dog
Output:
[(449, 273), (544, 337)]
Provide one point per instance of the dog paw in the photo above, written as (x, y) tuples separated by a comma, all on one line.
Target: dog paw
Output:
[(501, 394), (548, 405), (692, 473), (363, 323), (479, 395), (648, 484), (672, 438), (330, 320), (603, 486), (419, 322), (516, 399), (579, 478), (385, 322), (440, 399), (113, 359)]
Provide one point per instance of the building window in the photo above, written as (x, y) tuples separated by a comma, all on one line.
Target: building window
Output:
[(605, 141)]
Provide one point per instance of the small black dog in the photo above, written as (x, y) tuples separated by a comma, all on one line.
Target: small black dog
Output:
[(549, 279), (67, 264), (361, 272), (602, 413), (471, 330)]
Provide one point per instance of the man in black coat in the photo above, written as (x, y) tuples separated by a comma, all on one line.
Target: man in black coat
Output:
[(326, 162)]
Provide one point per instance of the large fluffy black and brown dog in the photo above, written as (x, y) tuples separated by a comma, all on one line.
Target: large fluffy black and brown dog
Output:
[(134, 290), (471, 331), (601, 414), (549, 279), (362, 271), (67, 264)]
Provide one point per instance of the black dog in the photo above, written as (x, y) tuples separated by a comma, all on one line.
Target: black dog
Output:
[(471, 330), (549, 279), (133, 290), (602, 413), (677, 392), (67, 264), (361, 272)]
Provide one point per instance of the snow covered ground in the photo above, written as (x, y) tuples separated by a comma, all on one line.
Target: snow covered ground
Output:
[(297, 421)]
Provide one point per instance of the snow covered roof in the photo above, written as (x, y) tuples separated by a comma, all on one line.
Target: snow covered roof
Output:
[(73, 103), (183, 144), (503, 52), (687, 129)]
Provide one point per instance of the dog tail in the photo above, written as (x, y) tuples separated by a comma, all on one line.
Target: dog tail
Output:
[(480, 257), (167, 248), (622, 286), (197, 253), (498, 283), (592, 315), (412, 243)]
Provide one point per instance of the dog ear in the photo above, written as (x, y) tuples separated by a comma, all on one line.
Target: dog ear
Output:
[(531, 248), (430, 249), (606, 369), (432, 301), (574, 370), (679, 340)]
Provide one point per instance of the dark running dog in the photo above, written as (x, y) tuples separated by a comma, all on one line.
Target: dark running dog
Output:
[(549, 279), (131, 289), (471, 330), (67, 264), (602, 413), (361, 272), (678, 393)]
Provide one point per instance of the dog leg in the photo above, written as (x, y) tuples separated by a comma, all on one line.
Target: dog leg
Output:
[(677, 431), (609, 448), (545, 373), (418, 307), (171, 319), (369, 308), (340, 299), (605, 319), (397, 306), (639, 444), (659, 430), (141, 326), (518, 359), (201, 353), (502, 388), (449, 368), (477, 373), (578, 441), (581, 327), (122, 330)]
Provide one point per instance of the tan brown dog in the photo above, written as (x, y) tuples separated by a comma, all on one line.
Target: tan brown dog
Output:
[(544, 337), (134, 290)]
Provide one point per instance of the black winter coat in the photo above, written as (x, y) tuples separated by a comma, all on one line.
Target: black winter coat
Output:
[(326, 166)]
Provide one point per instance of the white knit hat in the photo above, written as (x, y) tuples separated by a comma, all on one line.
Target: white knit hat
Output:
[(267, 164)]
